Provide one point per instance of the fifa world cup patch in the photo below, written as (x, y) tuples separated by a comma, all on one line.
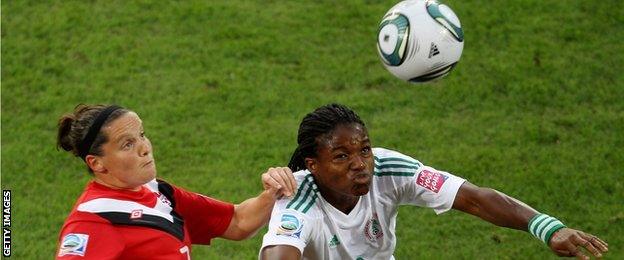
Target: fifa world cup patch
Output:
[(74, 244), (290, 225), (431, 180)]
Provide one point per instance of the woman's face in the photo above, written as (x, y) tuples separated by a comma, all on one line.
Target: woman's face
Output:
[(344, 164), (127, 155)]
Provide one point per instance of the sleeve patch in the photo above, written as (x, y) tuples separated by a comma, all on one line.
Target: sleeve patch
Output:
[(431, 180), (290, 225), (74, 244)]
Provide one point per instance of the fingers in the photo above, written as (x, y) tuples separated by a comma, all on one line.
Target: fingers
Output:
[(574, 251), (281, 179), (560, 252), (289, 180), (576, 240), (269, 182), (602, 245), (293, 183), (596, 243), (579, 241)]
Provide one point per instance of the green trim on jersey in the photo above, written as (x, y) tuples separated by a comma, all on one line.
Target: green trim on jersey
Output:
[(391, 166), (394, 166), (311, 191), (381, 160)]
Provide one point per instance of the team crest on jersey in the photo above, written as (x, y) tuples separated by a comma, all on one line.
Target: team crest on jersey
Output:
[(74, 244), (431, 180), (135, 214), (373, 230), (290, 225)]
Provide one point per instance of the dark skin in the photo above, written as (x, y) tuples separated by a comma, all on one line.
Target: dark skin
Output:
[(343, 170)]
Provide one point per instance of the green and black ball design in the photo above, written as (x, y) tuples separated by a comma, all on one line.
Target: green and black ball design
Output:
[(435, 11), (392, 39)]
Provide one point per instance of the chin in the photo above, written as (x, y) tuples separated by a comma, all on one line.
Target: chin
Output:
[(149, 177), (361, 190)]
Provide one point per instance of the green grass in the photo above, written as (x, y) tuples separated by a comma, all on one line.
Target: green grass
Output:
[(534, 109)]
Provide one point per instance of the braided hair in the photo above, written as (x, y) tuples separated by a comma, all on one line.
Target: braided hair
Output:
[(319, 123)]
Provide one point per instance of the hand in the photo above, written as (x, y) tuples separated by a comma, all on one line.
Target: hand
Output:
[(280, 181), (568, 242)]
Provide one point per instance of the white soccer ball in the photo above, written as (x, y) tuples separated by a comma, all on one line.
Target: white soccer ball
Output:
[(420, 40)]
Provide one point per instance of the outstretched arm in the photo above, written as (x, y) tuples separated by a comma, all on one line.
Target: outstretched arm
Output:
[(252, 214), (502, 210)]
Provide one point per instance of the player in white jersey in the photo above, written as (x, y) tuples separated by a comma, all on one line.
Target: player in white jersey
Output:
[(348, 196), (320, 231)]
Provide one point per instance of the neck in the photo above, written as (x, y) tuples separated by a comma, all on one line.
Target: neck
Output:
[(343, 202)]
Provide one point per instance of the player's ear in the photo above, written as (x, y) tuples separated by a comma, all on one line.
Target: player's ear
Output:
[(311, 164), (95, 163)]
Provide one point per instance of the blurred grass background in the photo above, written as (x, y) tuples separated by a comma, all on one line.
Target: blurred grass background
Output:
[(535, 107)]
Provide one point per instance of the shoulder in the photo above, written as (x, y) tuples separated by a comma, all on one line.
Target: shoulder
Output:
[(393, 163), (383, 154), (306, 199), (302, 177), (84, 223), (90, 199), (89, 239)]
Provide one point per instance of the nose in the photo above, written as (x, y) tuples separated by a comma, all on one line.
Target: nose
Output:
[(146, 147), (358, 163)]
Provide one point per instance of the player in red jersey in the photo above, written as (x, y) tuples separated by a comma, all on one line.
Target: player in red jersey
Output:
[(126, 213)]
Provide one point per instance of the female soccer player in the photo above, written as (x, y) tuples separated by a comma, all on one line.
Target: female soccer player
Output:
[(126, 213), (348, 195)]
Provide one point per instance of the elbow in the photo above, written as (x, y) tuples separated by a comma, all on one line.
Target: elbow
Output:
[(244, 229), (240, 230), (472, 199), (483, 197), (243, 235), (238, 238)]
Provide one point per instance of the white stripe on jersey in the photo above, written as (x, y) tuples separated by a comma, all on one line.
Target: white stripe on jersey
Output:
[(103, 205)]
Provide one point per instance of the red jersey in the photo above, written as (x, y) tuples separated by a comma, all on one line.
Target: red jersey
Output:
[(160, 221)]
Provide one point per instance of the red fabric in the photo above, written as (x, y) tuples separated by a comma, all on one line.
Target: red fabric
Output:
[(204, 223), (204, 218)]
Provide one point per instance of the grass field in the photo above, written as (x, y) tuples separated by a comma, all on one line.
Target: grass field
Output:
[(535, 107)]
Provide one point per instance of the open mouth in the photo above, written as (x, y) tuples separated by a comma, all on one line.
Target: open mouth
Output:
[(362, 179)]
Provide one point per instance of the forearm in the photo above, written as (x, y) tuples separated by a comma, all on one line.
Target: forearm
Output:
[(502, 210), (252, 214), (495, 207), (505, 211)]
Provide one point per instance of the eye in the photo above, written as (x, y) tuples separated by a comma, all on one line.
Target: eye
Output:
[(128, 145), (366, 150), (341, 156), (142, 134)]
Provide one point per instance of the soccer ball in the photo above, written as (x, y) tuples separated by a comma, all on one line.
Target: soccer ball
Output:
[(420, 40)]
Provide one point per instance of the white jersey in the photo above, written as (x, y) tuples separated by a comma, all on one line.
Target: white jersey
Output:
[(320, 231)]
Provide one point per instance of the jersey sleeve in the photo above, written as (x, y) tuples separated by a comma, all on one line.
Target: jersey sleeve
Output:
[(205, 217), (288, 226), (412, 183), (432, 189), (89, 240)]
